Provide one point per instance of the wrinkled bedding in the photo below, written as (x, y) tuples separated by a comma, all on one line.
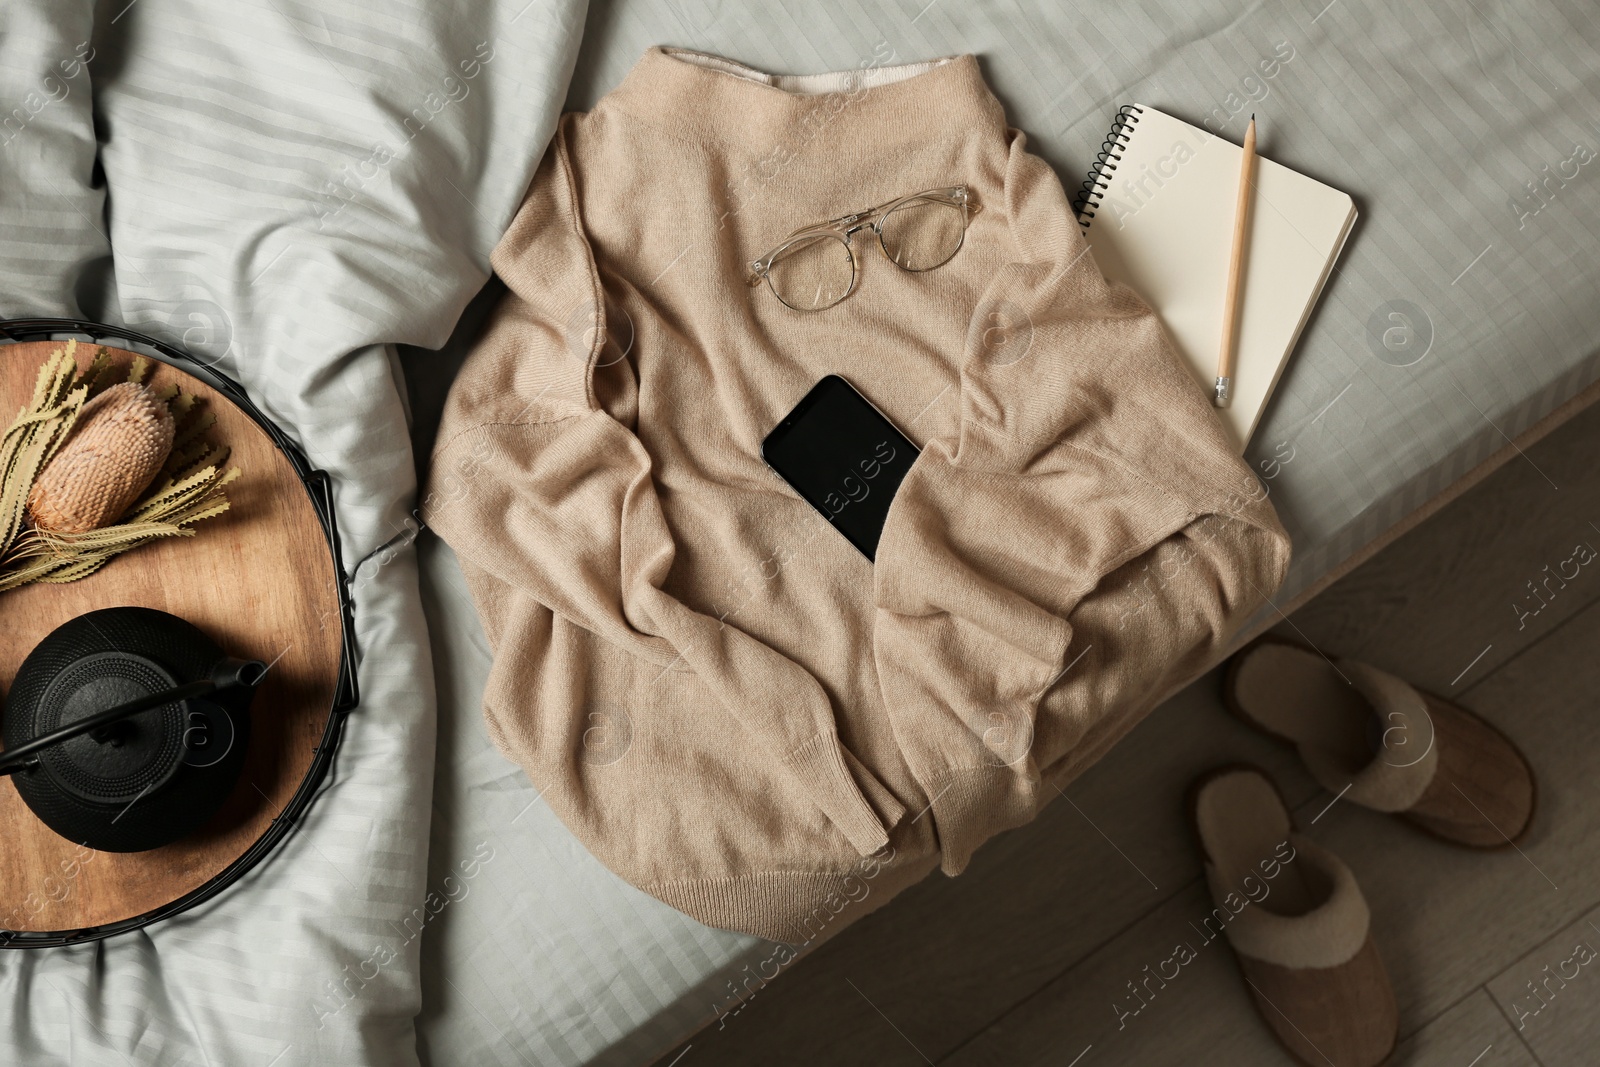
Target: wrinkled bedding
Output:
[(288, 190)]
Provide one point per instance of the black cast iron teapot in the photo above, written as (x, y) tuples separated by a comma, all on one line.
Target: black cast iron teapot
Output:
[(126, 728)]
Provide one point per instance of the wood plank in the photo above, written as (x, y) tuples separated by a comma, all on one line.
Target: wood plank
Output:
[(1465, 578), (1204, 1014), (1471, 1034), (1552, 995), (259, 580)]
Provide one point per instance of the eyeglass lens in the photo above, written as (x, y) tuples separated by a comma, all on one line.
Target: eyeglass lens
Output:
[(817, 272)]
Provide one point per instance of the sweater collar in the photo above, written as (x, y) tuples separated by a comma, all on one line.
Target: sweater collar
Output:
[(712, 98)]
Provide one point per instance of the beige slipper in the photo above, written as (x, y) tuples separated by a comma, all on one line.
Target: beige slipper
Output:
[(1297, 922), (1377, 740)]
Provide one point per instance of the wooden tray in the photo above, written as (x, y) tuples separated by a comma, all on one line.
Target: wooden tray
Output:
[(260, 580)]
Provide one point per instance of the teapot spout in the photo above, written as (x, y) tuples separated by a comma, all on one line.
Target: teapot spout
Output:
[(230, 673)]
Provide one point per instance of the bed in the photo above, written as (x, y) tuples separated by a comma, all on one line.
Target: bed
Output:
[(1462, 314)]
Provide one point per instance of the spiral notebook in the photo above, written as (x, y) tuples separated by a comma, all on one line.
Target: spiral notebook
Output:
[(1157, 209)]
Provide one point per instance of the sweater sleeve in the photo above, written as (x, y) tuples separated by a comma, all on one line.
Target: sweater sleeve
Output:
[(539, 482), (1061, 480)]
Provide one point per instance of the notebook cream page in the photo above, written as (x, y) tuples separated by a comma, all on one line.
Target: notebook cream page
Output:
[(1164, 226)]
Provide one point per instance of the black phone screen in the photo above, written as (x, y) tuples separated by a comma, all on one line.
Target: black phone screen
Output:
[(843, 457)]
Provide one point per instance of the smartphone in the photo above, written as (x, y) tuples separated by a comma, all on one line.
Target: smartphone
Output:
[(844, 457)]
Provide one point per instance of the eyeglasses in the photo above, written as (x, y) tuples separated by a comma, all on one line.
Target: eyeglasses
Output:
[(815, 266)]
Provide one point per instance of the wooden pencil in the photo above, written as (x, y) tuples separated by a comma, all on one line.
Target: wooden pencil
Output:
[(1223, 394)]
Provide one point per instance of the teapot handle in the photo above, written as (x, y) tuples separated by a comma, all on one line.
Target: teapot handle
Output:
[(226, 674)]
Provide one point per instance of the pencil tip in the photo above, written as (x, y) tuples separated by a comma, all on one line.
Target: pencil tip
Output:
[(1252, 116)]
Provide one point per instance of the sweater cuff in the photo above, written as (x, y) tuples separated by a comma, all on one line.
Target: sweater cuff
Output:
[(971, 804), (819, 763)]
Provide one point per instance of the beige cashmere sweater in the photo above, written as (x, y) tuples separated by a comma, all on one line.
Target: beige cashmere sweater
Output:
[(723, 699)]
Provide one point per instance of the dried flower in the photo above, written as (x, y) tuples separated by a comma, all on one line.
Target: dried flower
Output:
[(121, 440)]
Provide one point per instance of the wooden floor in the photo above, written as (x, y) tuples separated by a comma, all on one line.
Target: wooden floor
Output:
[(1024, 958)]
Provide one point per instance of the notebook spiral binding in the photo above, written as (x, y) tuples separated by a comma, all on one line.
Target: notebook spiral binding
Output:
[(1086, 199)]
